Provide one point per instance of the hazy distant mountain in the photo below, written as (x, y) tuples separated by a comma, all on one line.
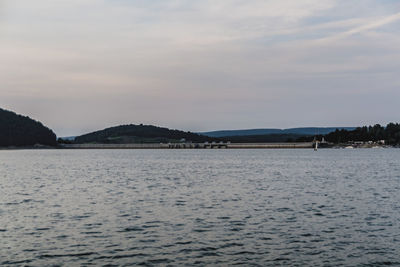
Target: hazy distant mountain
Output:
[(139, 134), (68, 138), (17, 130), (295, 131)]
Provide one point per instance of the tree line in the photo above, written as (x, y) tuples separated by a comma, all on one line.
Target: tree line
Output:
[(18, 130), (390, 134)]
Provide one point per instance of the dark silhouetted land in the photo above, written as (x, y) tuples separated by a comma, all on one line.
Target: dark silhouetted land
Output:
[(19, 131)]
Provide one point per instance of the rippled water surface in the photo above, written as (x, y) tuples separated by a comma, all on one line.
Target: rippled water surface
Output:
[(200, 207)]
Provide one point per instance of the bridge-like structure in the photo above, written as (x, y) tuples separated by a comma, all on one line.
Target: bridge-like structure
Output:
[(206, 145)]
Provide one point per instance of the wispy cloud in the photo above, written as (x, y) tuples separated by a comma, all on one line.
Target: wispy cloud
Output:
[(370, 24)]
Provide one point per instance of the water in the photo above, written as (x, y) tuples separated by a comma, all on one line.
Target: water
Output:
[(200, 207)]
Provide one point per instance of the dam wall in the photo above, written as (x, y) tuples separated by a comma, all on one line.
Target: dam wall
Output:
[(270, 145), (191, 146)]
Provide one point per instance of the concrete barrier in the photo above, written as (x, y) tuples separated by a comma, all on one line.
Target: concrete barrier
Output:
[(190, 146)]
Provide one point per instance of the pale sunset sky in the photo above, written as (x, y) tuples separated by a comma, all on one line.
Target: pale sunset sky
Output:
[(199, 65)]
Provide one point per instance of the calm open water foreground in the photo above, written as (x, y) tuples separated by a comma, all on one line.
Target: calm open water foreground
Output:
[(200, 207)]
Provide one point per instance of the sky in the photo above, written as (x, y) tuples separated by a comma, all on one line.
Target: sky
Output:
[(200, 65)]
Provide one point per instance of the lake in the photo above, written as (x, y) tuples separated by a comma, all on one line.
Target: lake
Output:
[(200, 207)]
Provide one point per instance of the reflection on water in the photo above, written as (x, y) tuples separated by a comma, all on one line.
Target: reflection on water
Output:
[(216, 207)]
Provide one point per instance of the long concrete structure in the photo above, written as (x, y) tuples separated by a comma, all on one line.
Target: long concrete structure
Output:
[(271, 145), (191, 146)]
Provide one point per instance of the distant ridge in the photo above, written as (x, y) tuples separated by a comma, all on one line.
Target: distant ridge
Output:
[(268, 131), (68, 138)]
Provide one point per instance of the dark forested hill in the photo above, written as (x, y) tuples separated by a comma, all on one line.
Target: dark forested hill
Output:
[(390, 133), (139, 134), (17, 130)]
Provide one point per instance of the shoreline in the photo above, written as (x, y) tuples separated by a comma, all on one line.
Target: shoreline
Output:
[(191, 146), (304, 145)]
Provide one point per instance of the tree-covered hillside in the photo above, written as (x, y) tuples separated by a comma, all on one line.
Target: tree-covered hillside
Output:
[(17, 130), (390, 133), (139, 134)]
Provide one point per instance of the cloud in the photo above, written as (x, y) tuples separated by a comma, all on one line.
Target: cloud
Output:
[(199, 64), (369, 25)]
